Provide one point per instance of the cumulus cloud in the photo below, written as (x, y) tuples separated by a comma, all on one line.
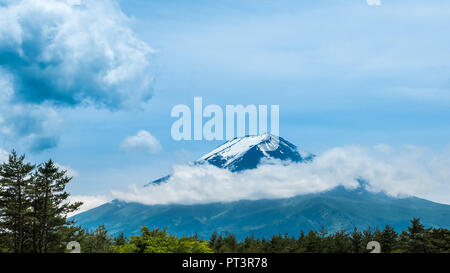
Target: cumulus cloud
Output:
[(409, 171), (69, 54), (143, 141), (89, 202), (54, 54), (35, 125)]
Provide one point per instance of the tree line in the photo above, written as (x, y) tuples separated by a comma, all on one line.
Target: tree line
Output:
[(416, 239), (33, 219)]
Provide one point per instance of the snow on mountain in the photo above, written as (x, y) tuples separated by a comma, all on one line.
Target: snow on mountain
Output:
[(247, 152), (243, 153)]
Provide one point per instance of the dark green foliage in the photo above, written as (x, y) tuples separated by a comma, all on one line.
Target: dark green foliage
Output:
[(356, 238), (33, 206), (50, 207), (416, 240), (97, 241), (16, 199), (388, 239), (120, 240)]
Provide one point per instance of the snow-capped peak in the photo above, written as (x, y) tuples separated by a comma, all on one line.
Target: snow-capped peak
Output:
[(234, 148), (246, 152)]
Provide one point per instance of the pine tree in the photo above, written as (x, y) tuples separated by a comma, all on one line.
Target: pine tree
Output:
[(120, 240), (50, 207), (300, 243), (248, 245), (97, 242), (339, 242), (388, 239), (312, 242), (322, 246), (368, 235), (231, 243), (402, 243), (417, 240), (15, 179), (356, 240)]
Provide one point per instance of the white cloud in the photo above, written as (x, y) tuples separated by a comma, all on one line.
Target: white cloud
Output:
[(398, 172), (66, 53), (69, 171), (4, 155), (35, 126), (373, 2), (54, 54), (143, 141), (89, 202)]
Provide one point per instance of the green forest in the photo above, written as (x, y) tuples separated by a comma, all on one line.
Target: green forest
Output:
[(33, 219)]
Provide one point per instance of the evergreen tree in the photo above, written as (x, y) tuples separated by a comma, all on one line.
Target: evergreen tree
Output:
[(340, 242), (402, 243), (356, 241), (439, 239), (97, 241), (312, 242), (15, 179), (50, 207), (300, 244), (230, 243), (249, 245), (368, 235), (417, 240), (388, 239), (120, 240), (322, 246)]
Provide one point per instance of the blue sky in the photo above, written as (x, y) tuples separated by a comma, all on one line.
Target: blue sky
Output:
[(343, 72)]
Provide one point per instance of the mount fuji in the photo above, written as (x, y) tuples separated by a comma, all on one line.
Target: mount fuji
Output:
[(336, 209), (244, 153)]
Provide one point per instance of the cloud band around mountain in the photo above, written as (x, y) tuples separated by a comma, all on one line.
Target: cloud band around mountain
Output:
[(410, 171)]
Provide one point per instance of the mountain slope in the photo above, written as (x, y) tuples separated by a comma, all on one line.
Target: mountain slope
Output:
[(336, 209)]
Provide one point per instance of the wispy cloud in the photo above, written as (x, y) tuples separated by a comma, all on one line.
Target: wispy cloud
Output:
[(70, 172), (142, 141), (89, 202), (398, 172)]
